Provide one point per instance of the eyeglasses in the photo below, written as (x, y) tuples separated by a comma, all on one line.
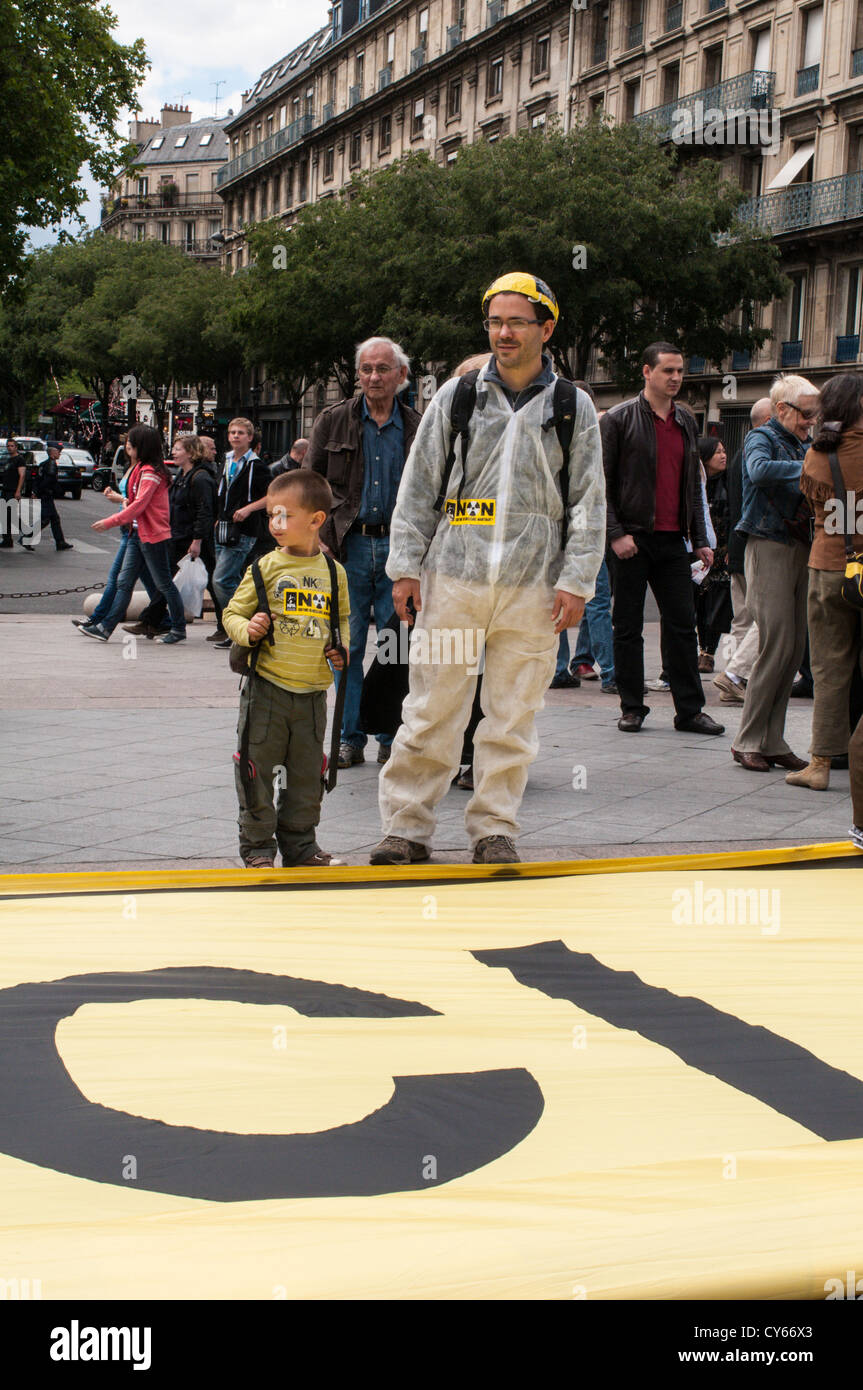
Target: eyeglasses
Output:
[(807, 414), (381, 371), (517, 325)]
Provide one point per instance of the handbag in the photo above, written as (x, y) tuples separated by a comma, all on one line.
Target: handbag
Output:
[(852, 584)]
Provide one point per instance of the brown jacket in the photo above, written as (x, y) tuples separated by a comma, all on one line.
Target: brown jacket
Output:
[(816, 483), (336, 450)]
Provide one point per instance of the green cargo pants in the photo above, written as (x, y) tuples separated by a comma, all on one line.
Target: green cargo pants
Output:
[(282, 804)]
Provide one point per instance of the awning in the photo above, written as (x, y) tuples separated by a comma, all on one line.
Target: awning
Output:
[(789, 171)]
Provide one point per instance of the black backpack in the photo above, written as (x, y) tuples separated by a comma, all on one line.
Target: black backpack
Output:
[(564, 404)]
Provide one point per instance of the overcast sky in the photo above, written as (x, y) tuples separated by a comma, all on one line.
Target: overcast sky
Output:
[(193, 44)]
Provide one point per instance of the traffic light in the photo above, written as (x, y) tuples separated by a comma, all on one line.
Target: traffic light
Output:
[(76, 401)]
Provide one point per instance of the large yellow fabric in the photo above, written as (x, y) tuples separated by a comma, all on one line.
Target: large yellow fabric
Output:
[(644, 1177)]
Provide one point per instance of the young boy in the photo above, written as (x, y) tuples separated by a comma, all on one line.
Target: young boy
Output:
[(285, 701)]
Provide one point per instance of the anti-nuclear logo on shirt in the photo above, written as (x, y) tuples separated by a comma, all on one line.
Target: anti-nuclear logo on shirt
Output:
[(471, 511), (302, 607)]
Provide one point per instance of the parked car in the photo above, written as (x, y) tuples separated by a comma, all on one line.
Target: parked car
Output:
[(105, 475), (68, 472), (25, 442), (85, 461)]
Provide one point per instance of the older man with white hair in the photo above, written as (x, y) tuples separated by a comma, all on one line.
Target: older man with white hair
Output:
[(777, 554), (360, 447)]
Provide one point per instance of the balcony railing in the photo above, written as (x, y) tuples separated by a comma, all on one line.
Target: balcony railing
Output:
[(355, 95), (635, 35), (792, 353), (741, 361), (697, 365), (156, 202), (806, 204), (385, 77), (847, 347), (198, 248), (328, 112), (674, 16), (807, 79), (600, 50), (418, 57), (453, 37), (750, 91), (259, 154), (495, 11), (857, 62)]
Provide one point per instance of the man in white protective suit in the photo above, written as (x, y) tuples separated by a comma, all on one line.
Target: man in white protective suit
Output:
[(483, 546)]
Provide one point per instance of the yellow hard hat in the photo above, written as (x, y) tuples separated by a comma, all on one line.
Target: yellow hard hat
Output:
[(519, 282)]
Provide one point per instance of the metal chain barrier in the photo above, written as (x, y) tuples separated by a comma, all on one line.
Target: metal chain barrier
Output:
[(57, 593)]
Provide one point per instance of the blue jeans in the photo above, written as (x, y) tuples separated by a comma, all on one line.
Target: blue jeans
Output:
[(231, 562), (139, 558), (595, 635), (109, 593), (364, 559)]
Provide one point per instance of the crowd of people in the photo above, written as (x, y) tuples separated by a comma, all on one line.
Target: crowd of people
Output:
[(513, 509)]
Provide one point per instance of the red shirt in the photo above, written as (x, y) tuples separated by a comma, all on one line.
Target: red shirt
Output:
[(670, 448)]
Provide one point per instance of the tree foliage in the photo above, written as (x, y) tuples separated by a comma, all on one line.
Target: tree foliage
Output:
[(65, 81)]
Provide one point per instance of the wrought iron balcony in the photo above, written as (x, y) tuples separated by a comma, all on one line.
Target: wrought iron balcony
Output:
[(158, 201), (804, 205), (807, 79), (847, 347), (750, 91), (355, 95), (697, 366), (453, 37), (741, 361), (495, 11), (418, 57), (385, 77), (673, 16), (600, 50), (328, 112), (259, 154), (635, 35), (857, 62), (792, 353)]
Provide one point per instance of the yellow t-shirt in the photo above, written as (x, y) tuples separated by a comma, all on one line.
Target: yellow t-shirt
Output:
[(298, 587)]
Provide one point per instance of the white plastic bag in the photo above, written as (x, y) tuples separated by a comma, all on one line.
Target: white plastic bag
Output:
[(191, 580)]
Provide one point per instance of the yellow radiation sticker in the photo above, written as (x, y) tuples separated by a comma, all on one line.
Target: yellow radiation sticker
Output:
[(471, 511), (639, 1085), (305, 602)]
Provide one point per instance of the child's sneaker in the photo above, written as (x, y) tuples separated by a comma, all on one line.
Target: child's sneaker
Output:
[(318, 859)]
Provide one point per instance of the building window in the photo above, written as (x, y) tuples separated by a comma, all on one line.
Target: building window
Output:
[(359, 69), (295, 108), (386, 134), (537, 122), (632, 99), (541, 50), (852, 307), (289, 185), (453, 100), (329, 161), (391, 47), (600, 34), (215, 228), (670, 83), (494, 83), (797, 306), (179, 143), (157, 143), (451, 158), (188, 233), (303, 182), (713, 65), (419, 116), (597, 104), (310, 101), (143, 187), (164, 232), (331, 86), (356, 149), (192, 183), (139, 231), (423, 25)]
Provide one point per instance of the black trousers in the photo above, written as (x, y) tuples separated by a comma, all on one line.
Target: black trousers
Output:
[(156, 612), (51, 517), (664, 563)]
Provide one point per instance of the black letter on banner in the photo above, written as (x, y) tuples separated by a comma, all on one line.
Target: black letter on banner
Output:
[(753, 1060), (466, 1119)]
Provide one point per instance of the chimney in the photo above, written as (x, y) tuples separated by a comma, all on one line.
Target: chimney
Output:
[(142, 130), (175, 115)]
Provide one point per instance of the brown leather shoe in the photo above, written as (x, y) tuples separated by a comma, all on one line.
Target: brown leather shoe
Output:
[(753, 762), (630, 723), (790, 761)]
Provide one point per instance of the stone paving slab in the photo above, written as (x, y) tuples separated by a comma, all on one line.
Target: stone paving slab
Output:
[(119, 761)]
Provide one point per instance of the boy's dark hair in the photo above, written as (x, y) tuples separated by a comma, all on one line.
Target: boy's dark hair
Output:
[(838, 409), (654, 351), (313, 489)]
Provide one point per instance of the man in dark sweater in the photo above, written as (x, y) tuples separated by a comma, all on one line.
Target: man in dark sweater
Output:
[(241, 522), (653, 495)]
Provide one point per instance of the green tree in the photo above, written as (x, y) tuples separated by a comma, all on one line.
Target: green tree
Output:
[(64, 80)]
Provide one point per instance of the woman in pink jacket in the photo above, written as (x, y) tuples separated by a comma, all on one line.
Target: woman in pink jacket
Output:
[(148, 514)]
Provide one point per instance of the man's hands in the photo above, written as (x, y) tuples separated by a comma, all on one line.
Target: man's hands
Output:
[(624, 547), (405, 589), (705, 555), (568, 610), (258, 626)]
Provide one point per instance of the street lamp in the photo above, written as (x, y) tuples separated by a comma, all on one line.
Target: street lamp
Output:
[(255, 393)]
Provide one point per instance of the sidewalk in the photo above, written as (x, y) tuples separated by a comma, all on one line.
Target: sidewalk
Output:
[(120, 755)]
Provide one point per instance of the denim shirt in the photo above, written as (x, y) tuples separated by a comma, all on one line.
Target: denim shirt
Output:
[(772, 463), (383, 461)]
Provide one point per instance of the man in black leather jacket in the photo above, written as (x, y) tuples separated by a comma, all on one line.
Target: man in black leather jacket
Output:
[(654, 505), (44, 481)]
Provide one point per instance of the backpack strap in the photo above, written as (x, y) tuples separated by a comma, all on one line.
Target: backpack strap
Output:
[(246, 773), (841, 493), (463, 404), (564, 403), (342, 687)]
